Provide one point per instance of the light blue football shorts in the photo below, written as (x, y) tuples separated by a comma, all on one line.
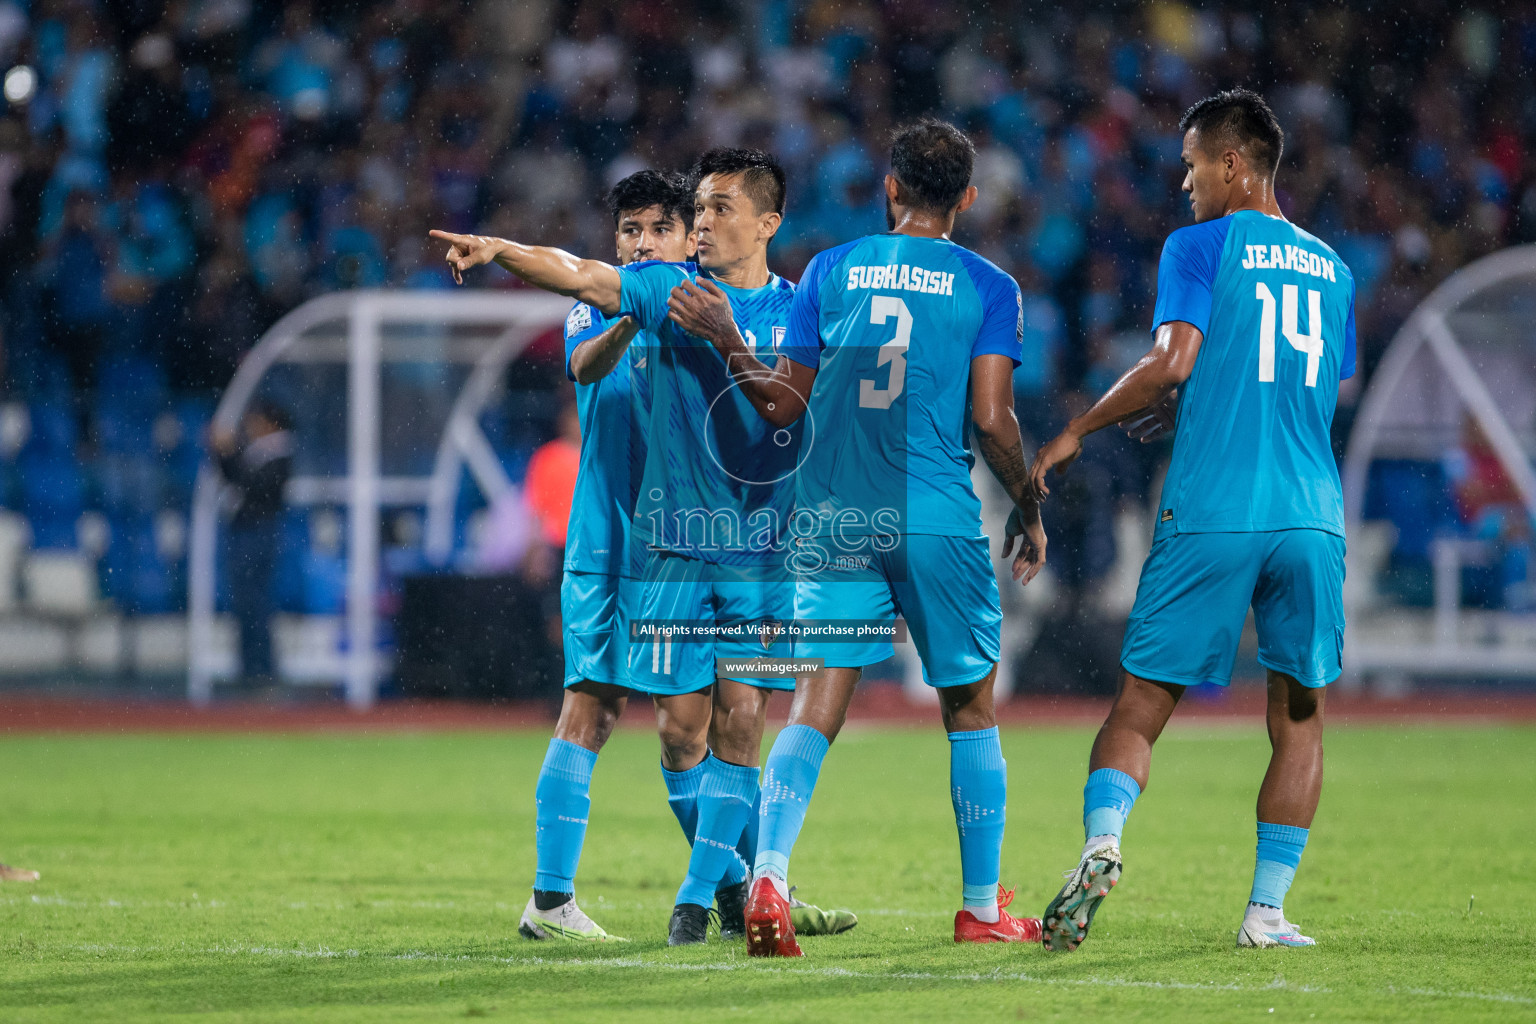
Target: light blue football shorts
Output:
[(945, 589), (591, 613), (676, 588), (1195, 592)]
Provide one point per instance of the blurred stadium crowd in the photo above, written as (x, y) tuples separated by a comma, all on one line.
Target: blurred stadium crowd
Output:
[(174, 177)]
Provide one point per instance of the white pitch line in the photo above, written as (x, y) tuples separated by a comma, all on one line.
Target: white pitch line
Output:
[(198, 903), (631, 963), (1491, 997), (469, 906)]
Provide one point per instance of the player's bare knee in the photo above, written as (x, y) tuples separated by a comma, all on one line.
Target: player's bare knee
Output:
[(585, 725), (821, 702), (1292, 704), (682, 726), (968, 708), (680, 730), (826, 718), (588, 714), (736, 734), (681, 748), (1143, 706)]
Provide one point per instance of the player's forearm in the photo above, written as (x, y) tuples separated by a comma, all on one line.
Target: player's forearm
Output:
[(770, 393), (555, 270), (1002, 449), (765, 387), (775, 399), (596, 357), (1147, 383)]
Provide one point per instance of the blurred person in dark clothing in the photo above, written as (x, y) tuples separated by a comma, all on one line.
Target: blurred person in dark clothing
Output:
[(259, 469), (75, 268), (225, 318)]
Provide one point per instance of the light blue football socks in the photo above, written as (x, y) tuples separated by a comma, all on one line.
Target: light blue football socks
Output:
[(1278, 856), (978, 788), (789, 777), (1107, 801), (726, 795), (746, 849), (739, 864), (683, 795), (562, 801), (683, 798)]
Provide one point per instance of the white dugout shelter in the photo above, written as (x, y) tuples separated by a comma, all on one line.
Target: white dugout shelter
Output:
[(1466, 356), (398, 381)]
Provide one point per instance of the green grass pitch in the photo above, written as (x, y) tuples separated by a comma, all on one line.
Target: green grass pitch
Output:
[(379, 877)]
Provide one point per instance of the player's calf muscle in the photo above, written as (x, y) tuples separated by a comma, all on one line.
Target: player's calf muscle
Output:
[(736, 730), (821, 702), (588, 714), (682, 725), (1141, 710), (969, 707)]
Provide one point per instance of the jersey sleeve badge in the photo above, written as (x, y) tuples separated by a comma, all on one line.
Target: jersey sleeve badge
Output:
[(579, 319)]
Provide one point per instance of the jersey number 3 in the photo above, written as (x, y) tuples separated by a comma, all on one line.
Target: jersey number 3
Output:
[(1311, 344), (881, 309)]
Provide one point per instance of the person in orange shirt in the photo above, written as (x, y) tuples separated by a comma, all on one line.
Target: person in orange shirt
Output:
[(550, 483)]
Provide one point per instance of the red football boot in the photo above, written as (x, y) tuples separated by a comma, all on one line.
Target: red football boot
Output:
[(769, 931), (1007, 929)]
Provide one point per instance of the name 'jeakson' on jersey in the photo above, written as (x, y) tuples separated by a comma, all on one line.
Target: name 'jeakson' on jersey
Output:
[(1276, 307)]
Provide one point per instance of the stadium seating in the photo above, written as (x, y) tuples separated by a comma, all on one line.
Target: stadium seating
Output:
[(272, 184)]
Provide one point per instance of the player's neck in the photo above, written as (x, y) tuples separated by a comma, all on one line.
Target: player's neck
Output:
[(749, 273), (1259, 197), (920, 224)]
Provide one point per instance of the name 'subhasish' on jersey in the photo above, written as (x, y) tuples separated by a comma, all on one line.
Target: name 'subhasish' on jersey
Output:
[(903, 278)]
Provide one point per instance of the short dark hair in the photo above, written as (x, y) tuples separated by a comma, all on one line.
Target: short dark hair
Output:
[(647, 188), (1239, 119), (932, 161), (762, 178)]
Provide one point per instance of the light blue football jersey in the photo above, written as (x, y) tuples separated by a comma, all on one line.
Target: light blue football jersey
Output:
[(1276, 307), (892, 322), (614, 413), (719, 480)]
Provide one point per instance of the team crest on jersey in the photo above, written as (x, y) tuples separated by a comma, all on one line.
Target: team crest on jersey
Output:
[(778, 338), (578, 320)]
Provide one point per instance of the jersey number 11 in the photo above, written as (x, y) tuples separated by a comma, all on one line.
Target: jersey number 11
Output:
[(1311, 343)]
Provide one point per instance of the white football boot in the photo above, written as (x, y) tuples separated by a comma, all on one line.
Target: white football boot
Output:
[(563, 922), (1265, 927)]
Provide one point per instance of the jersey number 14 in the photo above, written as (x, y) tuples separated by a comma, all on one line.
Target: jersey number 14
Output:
[(1310, 343)]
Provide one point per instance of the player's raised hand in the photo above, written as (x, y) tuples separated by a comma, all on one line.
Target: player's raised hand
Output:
[(1029, 531), (702, 308), (1058, 453), (466, 251), (1153, 423)]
